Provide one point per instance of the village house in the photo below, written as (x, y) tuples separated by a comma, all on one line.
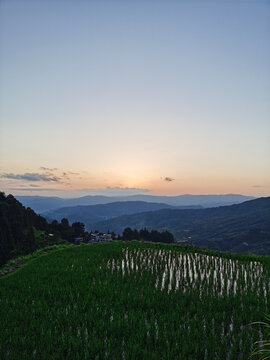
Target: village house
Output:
[(78, 240), (99, 237)]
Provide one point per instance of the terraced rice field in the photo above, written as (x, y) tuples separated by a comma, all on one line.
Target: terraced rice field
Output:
[(133, 301)]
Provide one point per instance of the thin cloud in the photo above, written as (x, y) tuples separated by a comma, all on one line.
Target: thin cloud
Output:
[(32, 189), (257, 186), (31, 185), (65, 176), (65, 173), (48, 169), (126, 188), (31, 177), (167, 178)]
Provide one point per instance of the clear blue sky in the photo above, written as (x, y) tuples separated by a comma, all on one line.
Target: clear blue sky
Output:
[(127, 93)]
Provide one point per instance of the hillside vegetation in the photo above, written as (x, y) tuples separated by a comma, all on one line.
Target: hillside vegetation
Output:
[(22, 231), (133, 301), (242, 228)]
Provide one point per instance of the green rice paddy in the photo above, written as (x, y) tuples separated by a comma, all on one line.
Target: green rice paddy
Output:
[(133, 300)]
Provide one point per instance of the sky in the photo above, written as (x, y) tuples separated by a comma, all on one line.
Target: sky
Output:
[(124, 97)]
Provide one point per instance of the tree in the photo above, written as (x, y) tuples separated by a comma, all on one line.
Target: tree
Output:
[(144, 234), (78, 229), (65, 223), (128, 234)]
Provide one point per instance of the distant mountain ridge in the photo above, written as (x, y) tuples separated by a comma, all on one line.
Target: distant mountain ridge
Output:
[(242, 227), (90, 214), (41, 203)]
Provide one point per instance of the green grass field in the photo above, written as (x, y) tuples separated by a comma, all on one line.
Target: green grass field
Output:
[(133, 301)]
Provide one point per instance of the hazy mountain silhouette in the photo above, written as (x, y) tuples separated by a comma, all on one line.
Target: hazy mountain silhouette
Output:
[(41, 203), (90, 214)]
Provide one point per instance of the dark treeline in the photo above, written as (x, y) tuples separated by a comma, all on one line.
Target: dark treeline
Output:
[(22, 231), (146, 235)]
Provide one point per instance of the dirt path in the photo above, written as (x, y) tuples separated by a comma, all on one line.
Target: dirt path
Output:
[(18, 264), (12, 268)]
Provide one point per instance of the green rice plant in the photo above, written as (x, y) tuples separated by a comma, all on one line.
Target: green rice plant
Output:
[(261, 348)]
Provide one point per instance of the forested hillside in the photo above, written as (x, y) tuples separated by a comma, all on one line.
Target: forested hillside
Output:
[(242, 228), (23, 231)]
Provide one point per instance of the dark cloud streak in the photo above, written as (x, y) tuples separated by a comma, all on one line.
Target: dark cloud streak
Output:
[(32, 189), (48, 169), (167, 178), (31, 177)]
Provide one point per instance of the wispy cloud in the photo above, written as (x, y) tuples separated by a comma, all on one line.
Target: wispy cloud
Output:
[(126, 189), (31, 189), (257, 186), (31, 177), (30, 185), (48, 169), (167, 178)]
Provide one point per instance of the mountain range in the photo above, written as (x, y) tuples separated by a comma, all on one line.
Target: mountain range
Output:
[(241, 227), (90, 214), (41, 204)]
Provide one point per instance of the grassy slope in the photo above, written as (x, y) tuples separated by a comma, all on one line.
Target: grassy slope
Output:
[(61, 306)]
